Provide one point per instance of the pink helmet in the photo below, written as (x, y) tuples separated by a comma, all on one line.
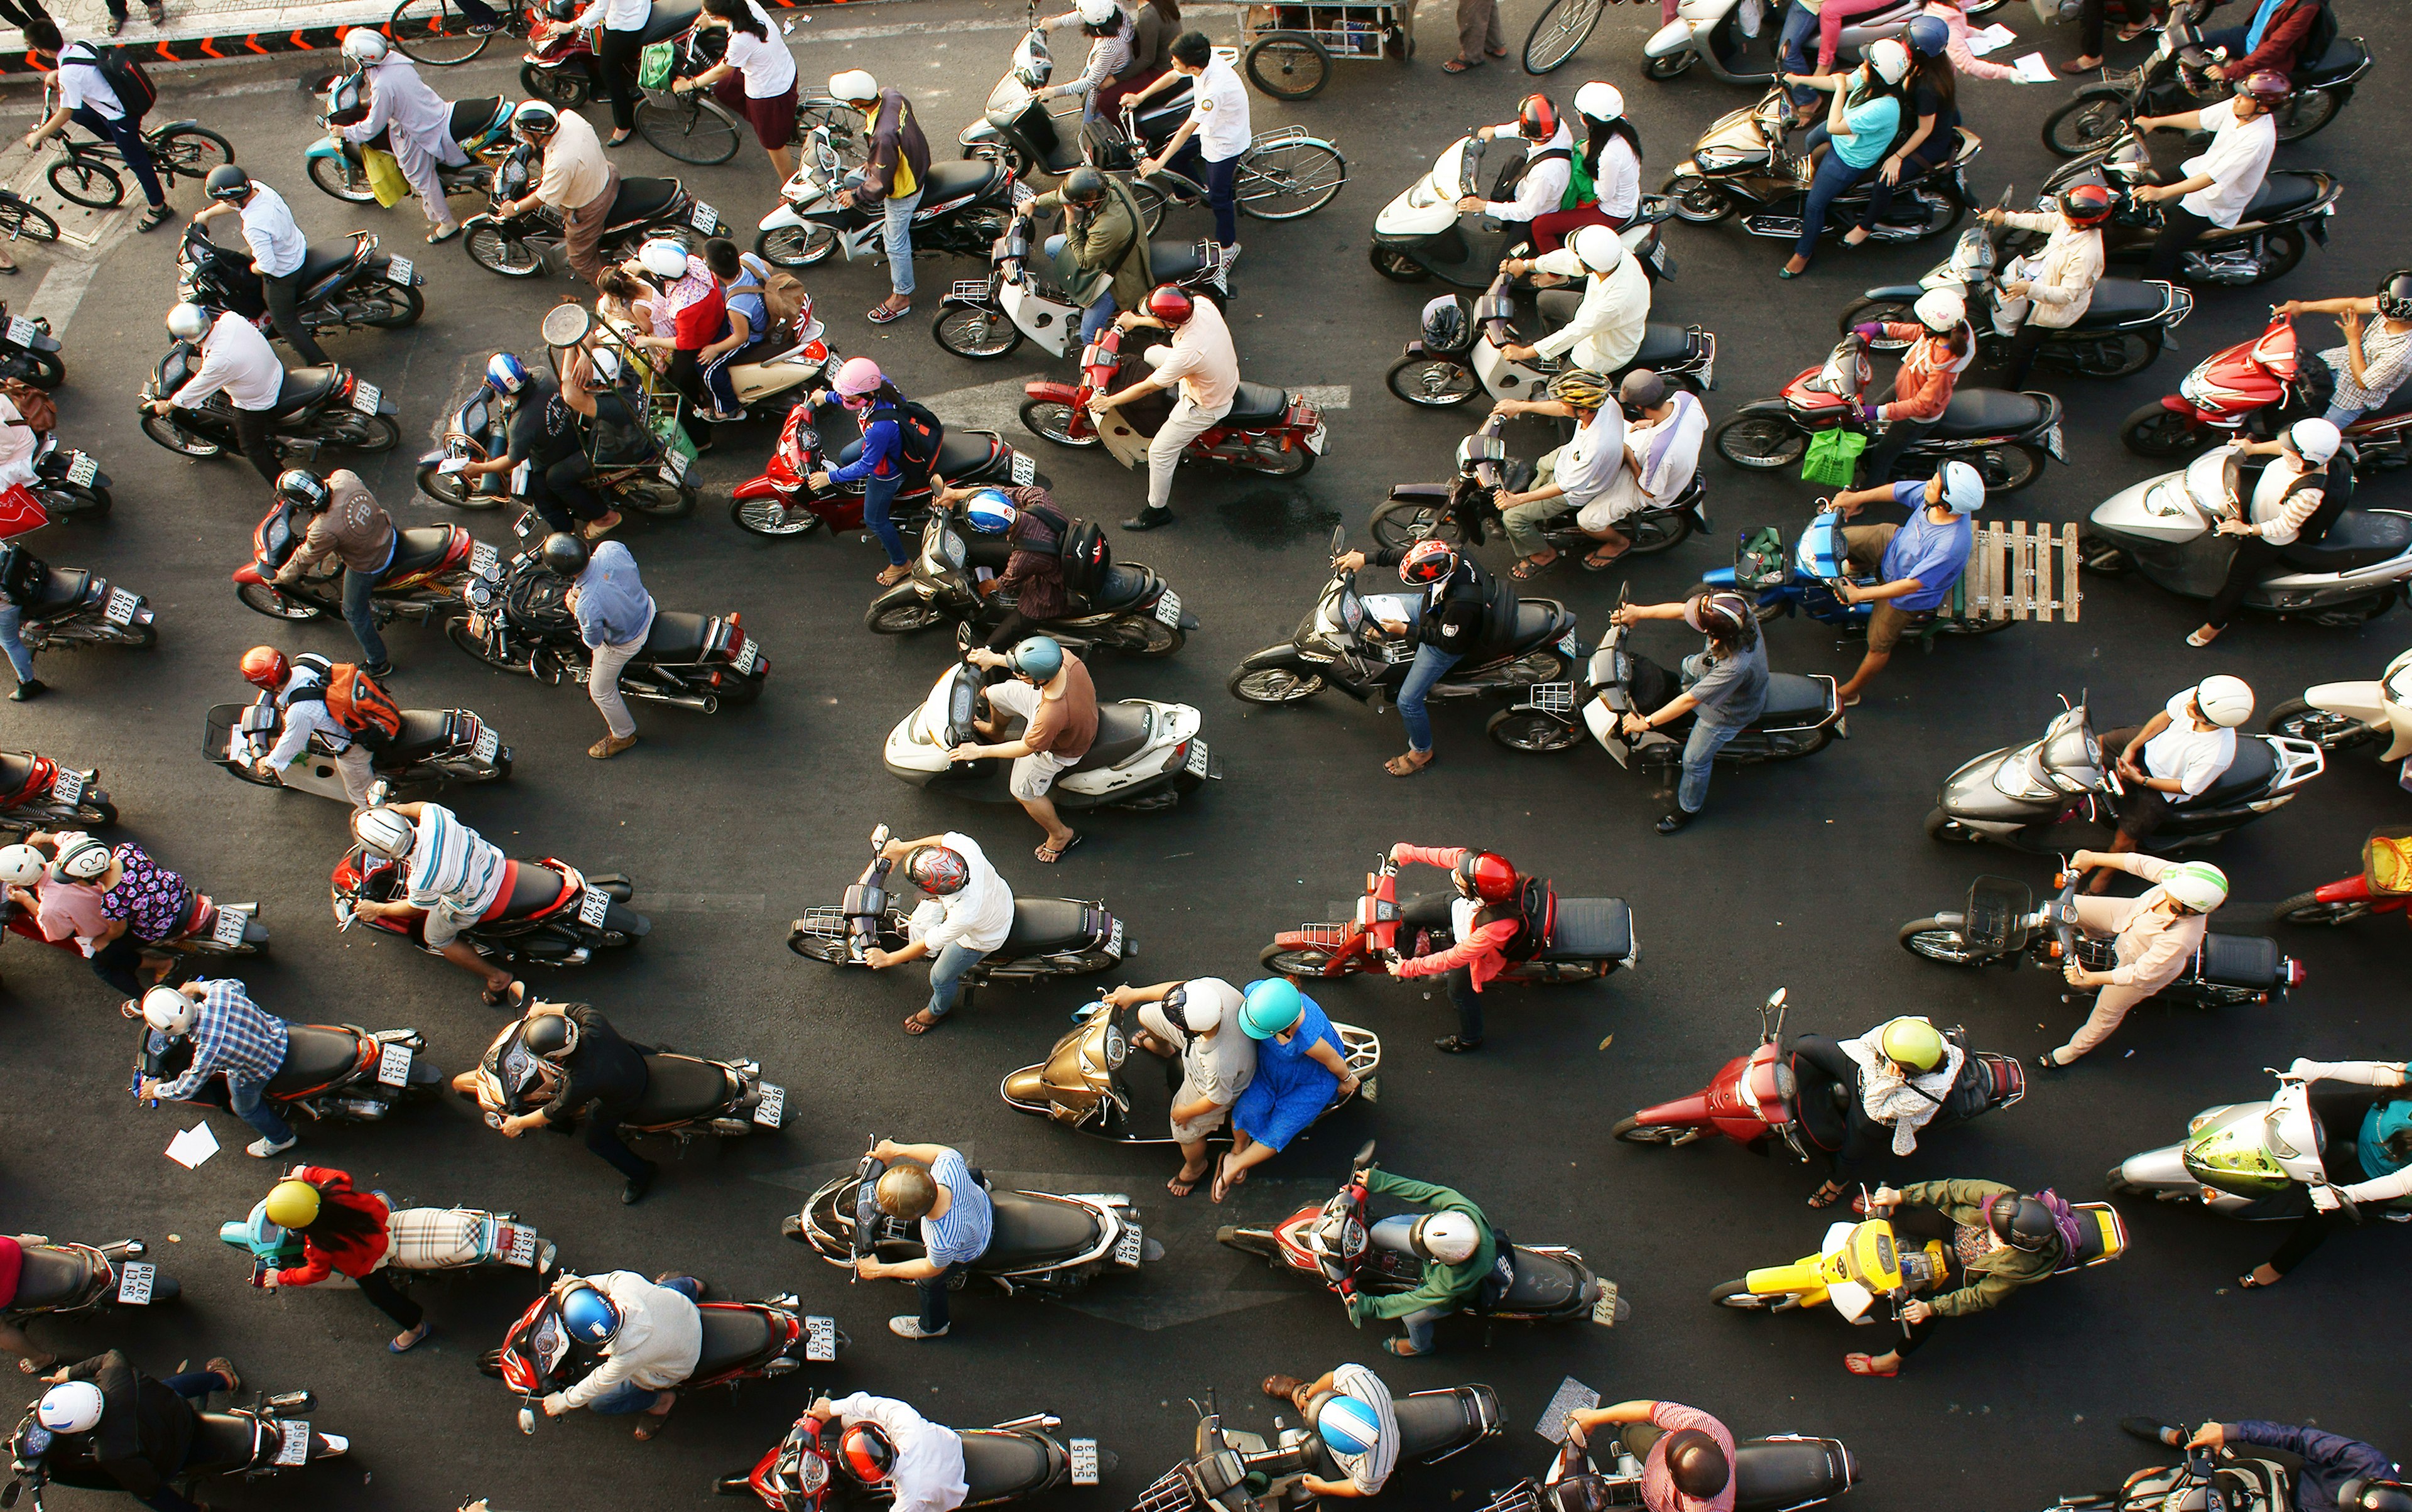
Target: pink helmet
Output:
[(859, 376)]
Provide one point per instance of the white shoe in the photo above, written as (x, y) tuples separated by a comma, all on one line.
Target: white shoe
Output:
[(909, 1327), (262, 1148), (1230, 256), (336, 1444)]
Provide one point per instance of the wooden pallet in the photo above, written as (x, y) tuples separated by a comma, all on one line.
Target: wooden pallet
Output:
[(2021, 572)]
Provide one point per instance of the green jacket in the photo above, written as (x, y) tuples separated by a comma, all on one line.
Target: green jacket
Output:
[(1110, 241), (1445, 1287), (1990, 1281)]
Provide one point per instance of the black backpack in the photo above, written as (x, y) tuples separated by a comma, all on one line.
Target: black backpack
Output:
[(919, 431), (2318, 41), (131, 84)]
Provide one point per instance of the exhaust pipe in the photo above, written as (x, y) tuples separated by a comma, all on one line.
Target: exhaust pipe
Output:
[(683, 700)]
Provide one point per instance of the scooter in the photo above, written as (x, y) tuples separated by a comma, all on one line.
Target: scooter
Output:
[(1267, 430), (2166, 530), (643, 476), (1121, 607), (1050, 936), (2264, 244), (1090, 1082), (1337, 1243), (1420, 234), (67, 483), (264, 1439), (548, 913), (1785, 1473), (2344, 716), (964, 210), (781, 502), (2238, 1482), (1439, 375), (1237, 1471), (2256, 1161), (2174, 79), (39, 793), (1342, 644), (1858, 1265), (563, 68), (1017, 129), (1008, 1463), (436, 747), (338, 166), (29, 351), (686, 1098), (1041, 1241), (1468, 513), (1742, 164), (428, 1239), (1147, 755), (421, 584), (1804, 581), (2019, 795), (2005, 437), (1581, 938), (521, 247), (2002, 923), (2383, 886), (316, 407), (346, 287), (1043, 300), (1709, 31), (74, 608), (2256, 389), (65, 1278), (332, 1073)]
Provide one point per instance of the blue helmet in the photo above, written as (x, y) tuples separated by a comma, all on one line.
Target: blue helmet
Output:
[(989, 513), (589, 1317), (1038, 658), (1348, 1425), (1928, 34), (506, 374), (1269, 1008)]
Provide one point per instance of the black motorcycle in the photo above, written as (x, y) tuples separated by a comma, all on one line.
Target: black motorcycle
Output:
[(640, 476), (328, 407), (436, 747), (1743, 165), (1786, 1473), (264, 1439), (68, 1279), (964, 210), (29, 351), (515, 246), (1230, 1467), (73, 608), (2175, 78), (1466, 512), (1110, 605), (2265, 244), (344, 288)]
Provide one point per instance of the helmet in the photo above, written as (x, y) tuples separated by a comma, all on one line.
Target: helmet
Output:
[(228, 183), (1695, 1461), (1098, 12), (1598, 248), (990, 513), (364, 44), (1446, 326), (552, 1036), (2317, 440), (299, 485), (1038, 658), (22, 866), (1450, 1238), (1913, 1043), (2395, 295), (2021, 1222), (86, 861), (1536, 119), (1964, 489), (937, 869), (1348, 1425), (854, 86), (564, 555), (857, 377), (1580, 389), (1270, 1007), (591, 1317), (1085, 186), (1485, 874), (1928, 34), (602, 369), (2267, 86), (70, 1407), (383, 833), (2199, 885), (864, 1449), (188, 322), (535, 118), (1721, 613), (2087, 204), (168, 1010), (1600, 100), (1205, 1004), (1428, 561), (266, 668), (663, 258), (292, 1204), (907, 1192), (1169, 304), (506, 374), (1642, 390), (1940, 309), (1891, 61), (2224, 699)]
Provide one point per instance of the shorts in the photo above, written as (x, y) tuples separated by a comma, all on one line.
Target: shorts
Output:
[(1035, 773), (446, 922), (1864, 546)]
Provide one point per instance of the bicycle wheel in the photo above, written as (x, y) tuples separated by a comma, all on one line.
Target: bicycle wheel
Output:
[(19, 219), (435, 32), (83, 181), (693, 130), (845, 125), (1290, 179), (1151, 204), (1560, 33), (190, 152)]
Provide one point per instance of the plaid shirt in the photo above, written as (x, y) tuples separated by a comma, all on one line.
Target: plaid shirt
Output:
[(233, 1035)]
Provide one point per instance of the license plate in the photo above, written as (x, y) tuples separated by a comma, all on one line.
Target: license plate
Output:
[(22, 331), (488, 743), (821, 1339), (483, 559), (1114, 941), (1127, 1247), (121, 606), (1604, 1310), (366, 396), (750, 658), (1025, 471), (1315, 439), (705, 218), (1084, 1461), (2051, 444), (1196, 761), (519, 1246), (295, 1449), (401, 271), (393, 1064), (592, 907), (229, 931), (67, 789), (772, 1108), (1566, 643), (674, 467), (85, 468), (1168, 609), (134, 1283)]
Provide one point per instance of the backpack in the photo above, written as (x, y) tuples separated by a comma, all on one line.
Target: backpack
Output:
[(785, 303), (1530, 903), (127, 79), (41, 412), (1581, 189), (919, 432), (2318, 41), (353, 699)]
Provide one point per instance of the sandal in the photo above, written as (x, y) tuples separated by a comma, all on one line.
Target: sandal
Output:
[(1225, 1179), (2251, 1281), (1827, 1195), (1459, 65), (921, 1024), (1186, 1182), (1523, 572), (1402, 1349), (417, 1336), (1494, 51), (890, 576), (442, 234), (30, 1366), (157, 216), (654, 1423), (1281, 1388), (1597, 563), (1407, 766), (882, 313), (1051, 855), (1866, 1365), (511, 993)]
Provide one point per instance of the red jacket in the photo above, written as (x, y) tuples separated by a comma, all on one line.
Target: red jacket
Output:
[(1481, 952), (354, 1257), (2280, 40), (1928, 373)]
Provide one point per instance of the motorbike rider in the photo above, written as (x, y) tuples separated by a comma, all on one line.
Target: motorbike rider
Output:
[(967, 914), (650, 1334), (1456, 596), (2325, 1464), (1930, 131), (2174, 756), (1686, 1455), (1664, 429), (900, 442), (577, 180), (277, 249), (1578, 473), (930, 1184), (232, 1036), (1540, 180), (1349, 1409), (346, 524), (565, 1062), (299, 689), (1859, 130), (884, 1444), (342, 1228), (413, 121), (549, 418), (2375, 355), (1107, 234), (1205, 148), (1894, 1079), (2052, 290), (2157, 933), (451, 872), (2298, 496), (1051, 693), (2277, 38), (20, 580), (2220, 182), (1996, 1239), (142, 903), (1456, 1245), (140, 1428), (1601, 328), (237, 360), (616, 614), (1201, 360), (1612, 165), (1485, 917), (1301, 1069), (1028, 519), (2366, 1115), (896, 167), (1196, 1021), (1110, 33), (57, 909), (1915, 562), (1942, 344), (1725, 687), (752, 334)]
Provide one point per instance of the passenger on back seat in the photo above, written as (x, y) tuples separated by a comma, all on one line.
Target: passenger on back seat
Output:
[(562, 1064), (2373, 362), (2301, 494), (1051, 693), (1487, 922)]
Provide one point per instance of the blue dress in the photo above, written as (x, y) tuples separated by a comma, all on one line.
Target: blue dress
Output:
[(1291, 1088)]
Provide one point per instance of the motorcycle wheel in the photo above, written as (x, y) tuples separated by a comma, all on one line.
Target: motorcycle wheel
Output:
[(449, 488), (251, 775), (696, 129), (2162, 434), (2330, 732), (1970, 629), (1792, 747), (1886, 310), (764, 517), (2354, 612), (1397, 266), (817, 947), (1431, 382), (902, 619), (401, 306), (2306, 909), (1283, 181), (1633, 1131), (1275, 685), (261, 599), (1401, 523), (1761, 442), (1259, 1241), (2282, 247), (1660, 532), (366, 433), (1696, 199), (1674, 67), (2083, 124), (1939, 827), (2306, 112), (177, 439), (1142, 634), (329, 175), (658, 497), (2103, 559), (191, 151), (1530, 730), (1288, 963), (2119, 355), (1936, 941), (93, 186), (43, 370), (68, 501), (1738, 1296), (95, 633), (1051, 420), (1564, 27), (490, 248), (2009, 468), (1013, 158), (458, 632), (565, 90), (977, 332), (796, 246), (1276, 462), (93, 810)]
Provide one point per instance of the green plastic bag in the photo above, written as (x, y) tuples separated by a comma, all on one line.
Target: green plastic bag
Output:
[(1833, 457), (654, 64)]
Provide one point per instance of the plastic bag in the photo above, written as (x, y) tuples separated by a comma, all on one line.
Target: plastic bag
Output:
[(655, 66), (1833, 457), (2387, 862)]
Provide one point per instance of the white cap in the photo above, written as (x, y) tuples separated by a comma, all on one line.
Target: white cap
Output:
[(1600, 100), (2317, 440), (365, 44), (1098, 12), (1940, 309), (855, 85), (188, 322), (1208, 1003), (1964, 489), (22, 866), (1598, 247), (2199, 885), (2224, 699)]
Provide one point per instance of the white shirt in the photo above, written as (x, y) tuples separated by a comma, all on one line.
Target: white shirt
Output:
[(2193, 757), (1618, 182), (1668, 452), (1607, 326), (1368, 1471), (2237, 159), (1544, 185), (618, 15), (979, 914), (81, 83), (1587, 465), (276, 243), (235, 357), (768, 67), (1220, 108), (17, 443), (660, 1339), (928, 1476), (304, 717)]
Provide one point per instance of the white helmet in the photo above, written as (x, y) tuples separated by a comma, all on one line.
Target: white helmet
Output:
[(22, 866), (86, 861), (1891, 60), (168, 1010), (1098, 12), (2317, 440), (1600, 100), (1207, 1003), (535, 118), (2224, 699), (70, 1407), (365, 45), (663, 258), (854, 86), (1940, 309), (1963, 491), (603, 364), (189, 322), (384, 833), (1598, 247), (1450, 1238), (2199, 885)]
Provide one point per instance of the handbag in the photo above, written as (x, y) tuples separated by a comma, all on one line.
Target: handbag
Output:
[(1833, 457), (20, 511)]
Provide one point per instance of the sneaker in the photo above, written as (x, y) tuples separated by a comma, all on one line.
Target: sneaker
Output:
[(263, 1150), (1230, 256), (379, 669), (909, 1327), (638, 1186)]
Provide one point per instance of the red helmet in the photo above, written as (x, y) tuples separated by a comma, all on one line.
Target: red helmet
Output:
[(265, 668), (2267, 86), (1428, 561), (1168, 303), (937, 871), (2087, 204), (1536, 119), (866, 1453), (1486, 876)]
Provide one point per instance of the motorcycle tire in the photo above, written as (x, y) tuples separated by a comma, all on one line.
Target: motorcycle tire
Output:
[(2112, 355), (458, 632), (2006, 469), (1885, 311), (902, 619), (1970, 629), (1760, 441), (331, 176), (93, 631), (1397, 266), (1738, 1296), (2305, 908), (1934, 940), (1672, 66), (496, 252), (1697, 199), (449, 488), (1256, 1241), (1051, 420), (2103, 559), (1531, 731), (260, 599), (2085, 123), (1633, 1131), (2306, 113), (816, 947), (1792, 747), (977, 332), (2282, 247), (1661, 532), (1283, 962), (43, 370), (657, 497), (1142, 634), (246, 773), (2299, 721), (562, 90), (1398, 523), (796, 246), (2353, 614), (2163, 434), (1293, 461), (403, 306), (70, 500), (1013, 158), (1940, 828), (765, 517), (1432, 382), (95, 810), (374, 433), (1275, 685)]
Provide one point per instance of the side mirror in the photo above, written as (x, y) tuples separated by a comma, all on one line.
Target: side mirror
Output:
[(1364, 1157), (527, 1421), (1775, 999)]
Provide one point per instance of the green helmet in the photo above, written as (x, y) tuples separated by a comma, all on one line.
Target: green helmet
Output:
[(1913, 1043), (1270, 1007)]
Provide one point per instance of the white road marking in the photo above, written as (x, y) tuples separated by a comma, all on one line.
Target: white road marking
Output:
[(989, 406), (61, 290)]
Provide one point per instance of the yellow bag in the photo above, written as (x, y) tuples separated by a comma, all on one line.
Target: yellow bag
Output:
[(385, 177), (2387, 862)]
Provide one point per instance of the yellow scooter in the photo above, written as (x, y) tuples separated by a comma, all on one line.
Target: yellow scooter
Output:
[(1861, 1264)]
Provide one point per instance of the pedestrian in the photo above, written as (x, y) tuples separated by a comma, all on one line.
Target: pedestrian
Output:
[(619, 48), (2377, 355), (756, 77), (614, 615), (1196, 1023), (1457, 595), (2222, 180), (347, 525), (1570, 477), (1349, 1409), (232, 1036), (299, 687), (2141, 16), (2329, 1462), (892, 178), (410, 120), (1201, 361), (561, 1064), (577, 180), (86, 97), (1996, 1241), (1916, 563), (1480, 36), (137, 1429), (546, 434), (1686, 1455), (2298, 496), (1106, 235), (742, 278), (342, 1229), (967, 914), (929, 1184), (117, 14), (277, 250), (1858, 131), (236, 359), (1051, 693), (1724, 688), (449, 873), (1302, 1070), (900, 443), (1205, 148), (2158, 935), (22, 575), (2172, 759)]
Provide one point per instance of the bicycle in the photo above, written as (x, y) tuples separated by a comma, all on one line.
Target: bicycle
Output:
[(1283, 174), (179, 150), (440, 32), (1564, 27), (691, 127)]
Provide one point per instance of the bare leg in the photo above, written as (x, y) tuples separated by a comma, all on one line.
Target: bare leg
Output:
[(1245, 1154), (29, 1358), (464, 955), (1194, 1160), (784, 159), (1870, 665), (1042, 809)]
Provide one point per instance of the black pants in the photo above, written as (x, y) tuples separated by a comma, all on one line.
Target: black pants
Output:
[(1876, 463), (259, 449), (2021, 358), (559, 495), (614, 71), (114, 963), (2143, 809), (2339, 1108), (603, 1138), (1437, 913), (285, 309), (2089, 22), (686, 377), (2254, 556), (1916, 1221), (1015, 627), (378, 1287), (1880, 193), (2180, 229), (1846, 1133)]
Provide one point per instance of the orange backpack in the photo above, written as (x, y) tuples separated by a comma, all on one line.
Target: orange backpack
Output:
[(367, 713)]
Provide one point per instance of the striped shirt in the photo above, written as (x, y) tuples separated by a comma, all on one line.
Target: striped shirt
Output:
[(1368, 1471), (452, 863), (231, 1034), (960, 1234)]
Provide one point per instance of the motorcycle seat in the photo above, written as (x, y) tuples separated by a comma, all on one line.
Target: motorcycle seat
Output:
[(1538, 1284), (680, 1087), (671, 18), (1122, 730), (1591, 929), (1988, 412), (961, 179), (1794, 699), (2345, 55), (2118, 300), (1431, 1422), (1032, 1230), (49, 1276), (61, 587), (1256, 404), (16, 769), (1769, 1474), (959, 452), (2359, 538), (998, 1464), (2245, 777), (528, 887), (1662, 344), (1172, 261), (422, 547), (732, 1337), (470, 118), (304, 386), (2280, 193), (424, 731), (1120, 585), (675, 637), (642, 198), (221, 1440), (314, 1056), (2395, 403), (2248, 961), (320, 259), (1045, 924)]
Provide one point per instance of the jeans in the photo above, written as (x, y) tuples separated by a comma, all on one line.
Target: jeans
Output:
[(933, 1296), (128, 137), (603, 1140), (898, 237), (1880, 193), (11, 618), (947, 970), (1392, 1234), (360, 612), (878, 493), (1793, 50), (1097, 316), (1219, 178), (1835, 176), (1431, 664), (2342, 416), (244, 1098), (115, 964), (283, 294), (1700, 755)]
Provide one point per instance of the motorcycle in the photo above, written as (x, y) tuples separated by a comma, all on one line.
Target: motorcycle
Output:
[(562, 68), (986, 320), (2166, 530), (2381, 886), (1468, 513), (1268, 429), (1335, 1242), (1045, 1242), (437, 746), (261, 1439), (686, 1096), (29, 351), (1008, 1463), (1783, 1472), (2233, 1481), (518, 247), (2343, 716), (338, 167), (420, 583), (334, 1073), (212, 929), (1805, 582), (1420, 234), (1709, 31), (1439, 376), (1858, 1265), (1050, 936), (548, 913), (1742, 164), (346, 288), (67, 483), (1147, 755), (2173, 79), (74, 608), (1581, 938), (650, 480), (2019, 795), (1235, 1470), (2254, 390), (316, 407), (964, 205), (39, 793), (2002, 923), (1122, 606), (68, 1279), (782, 501), (1089, 1083), (433, 1239), (2264, 244), (2256, 1161), (1017, 128), (2005, 437)]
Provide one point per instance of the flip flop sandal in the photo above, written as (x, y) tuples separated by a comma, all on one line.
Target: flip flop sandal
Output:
[(1281, 1388), (653, 1425), (1596, 563), (1459, 65), (1396, 769), (395, 1345), (1401, 1348), (921, 1024), (511, 993), (880, 314), (1866, 1365), (1525, 570), (1181, 1186), (1052, 857), (1494, 51)]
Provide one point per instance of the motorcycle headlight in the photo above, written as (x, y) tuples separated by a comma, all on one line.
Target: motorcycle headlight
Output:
[(1720, 158), (2189, 390), (952, 549)]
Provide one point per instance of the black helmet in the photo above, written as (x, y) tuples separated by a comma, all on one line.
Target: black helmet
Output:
[(2021, 1222), (301, 486), (563, 554), (1084, 185), (229, 182), (552, 1036), (564, 10), (1447, 325), (2395, 295), (1697, 1463)]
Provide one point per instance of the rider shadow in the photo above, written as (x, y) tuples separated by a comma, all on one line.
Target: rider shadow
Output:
[(1270, 518)]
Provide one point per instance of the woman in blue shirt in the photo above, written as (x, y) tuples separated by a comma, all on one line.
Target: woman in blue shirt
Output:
[(881, 465), (1300, 1071), (1858, 131)]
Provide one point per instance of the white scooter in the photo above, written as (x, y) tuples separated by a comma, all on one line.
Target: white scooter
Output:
[(1737, 38), (1441, 369), (963, 211), (1041, 298), (2339, 716), (1146, 754), (1420, 233)]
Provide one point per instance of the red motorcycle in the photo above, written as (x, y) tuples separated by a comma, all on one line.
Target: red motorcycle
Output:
[(782, 503), (561, 68), (1581, 938), (38, 793), (1268, 429), (546, 912), (2384, 886), (421, 584), (2254, 381), (1008, 1462)]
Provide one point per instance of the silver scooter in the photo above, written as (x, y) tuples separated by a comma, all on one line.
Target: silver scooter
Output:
[(2255, 1161)]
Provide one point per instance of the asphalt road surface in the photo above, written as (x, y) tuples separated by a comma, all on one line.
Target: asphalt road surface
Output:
[(1797, 876)]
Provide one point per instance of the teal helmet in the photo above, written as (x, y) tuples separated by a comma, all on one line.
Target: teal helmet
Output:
[(1270, 1007)]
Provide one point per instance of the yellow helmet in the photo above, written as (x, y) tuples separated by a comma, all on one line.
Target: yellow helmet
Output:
[(1913, 1043), (1580, 389), (293, 1204)]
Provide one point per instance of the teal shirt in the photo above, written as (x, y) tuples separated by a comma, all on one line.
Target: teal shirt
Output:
[(1871, 125), (1445, 1285)]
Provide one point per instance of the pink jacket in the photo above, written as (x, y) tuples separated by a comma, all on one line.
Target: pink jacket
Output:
[(1480, 953), (1832, 15)]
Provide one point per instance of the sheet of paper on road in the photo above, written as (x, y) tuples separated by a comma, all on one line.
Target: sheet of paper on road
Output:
[(1990, 37), (2032, 70), (195, 1145)]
